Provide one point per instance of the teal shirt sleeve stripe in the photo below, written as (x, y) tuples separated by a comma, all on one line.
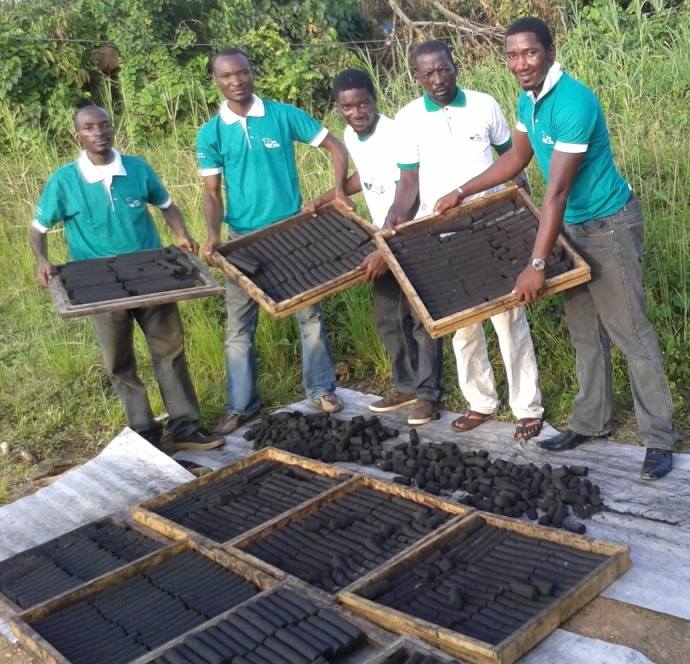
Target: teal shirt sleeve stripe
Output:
[(504, 147), (408, 167)]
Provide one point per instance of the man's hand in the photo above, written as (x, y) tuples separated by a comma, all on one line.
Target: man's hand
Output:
[(341, 196), (450, 200), (394, 218), (529, 284), (188, 243), (375, 266), (521, 181), (211, 244), (44, 273)]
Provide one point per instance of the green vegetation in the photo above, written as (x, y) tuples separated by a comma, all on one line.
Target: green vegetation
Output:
[(55, 398)]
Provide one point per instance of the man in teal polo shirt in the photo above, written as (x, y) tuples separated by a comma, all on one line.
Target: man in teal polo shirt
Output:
[(102, 198), (561, 122), (250, 146)]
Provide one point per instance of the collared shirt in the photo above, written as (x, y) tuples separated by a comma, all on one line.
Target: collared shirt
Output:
[(566, 117), (104, 208), (374, 158), (449, 144), (256, 156)]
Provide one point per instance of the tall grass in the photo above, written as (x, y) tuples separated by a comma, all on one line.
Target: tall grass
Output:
[(53, 388)]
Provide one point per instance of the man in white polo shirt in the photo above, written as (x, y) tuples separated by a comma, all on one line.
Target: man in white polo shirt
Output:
[(443, 135)]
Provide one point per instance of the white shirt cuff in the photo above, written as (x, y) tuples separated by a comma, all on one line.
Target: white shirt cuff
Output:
[(39, 227), (521, 127), (166, 205), (210, 171), (319, 138), (572, 148)]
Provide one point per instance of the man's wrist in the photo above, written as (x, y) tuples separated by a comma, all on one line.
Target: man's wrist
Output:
[(538, 264)]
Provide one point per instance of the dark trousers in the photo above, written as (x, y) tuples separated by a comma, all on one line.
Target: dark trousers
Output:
[(416, 358), (611, 308), (162, 329)]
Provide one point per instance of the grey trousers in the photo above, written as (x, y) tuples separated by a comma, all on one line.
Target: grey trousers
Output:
[(416, 358), (162, 329), (612, 308)]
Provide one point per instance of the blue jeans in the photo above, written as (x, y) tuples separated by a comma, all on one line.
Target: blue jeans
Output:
[(611, 308), (318, 375)]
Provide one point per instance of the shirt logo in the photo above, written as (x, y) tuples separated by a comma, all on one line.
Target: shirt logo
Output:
[(545, 138), (475, 137), (133, 202), (270, 143), (375, 189)]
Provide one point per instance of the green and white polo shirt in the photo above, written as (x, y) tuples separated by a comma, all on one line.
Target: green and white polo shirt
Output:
[(256, 156), (104, 208), (374, 159), (567, 117), (449, 144)]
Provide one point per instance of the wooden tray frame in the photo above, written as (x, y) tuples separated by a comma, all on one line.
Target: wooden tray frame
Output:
[(145, 515), (523, 639), (579, 274), (378, 639), (41, 648), (408, 646), (8, 608), (301, 300), (357, 482), (66, 309)]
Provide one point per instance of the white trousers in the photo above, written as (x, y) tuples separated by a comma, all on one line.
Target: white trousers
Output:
[(476, 377)]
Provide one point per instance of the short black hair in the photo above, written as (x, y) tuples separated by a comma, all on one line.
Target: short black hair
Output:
[(432, 46), (534, 25), (353, 79), (85, 109), (227, 52)]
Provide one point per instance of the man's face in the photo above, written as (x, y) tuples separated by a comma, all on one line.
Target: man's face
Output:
[(436, 72), (358, 109), (528, 60), (233, 76), (94, 131)]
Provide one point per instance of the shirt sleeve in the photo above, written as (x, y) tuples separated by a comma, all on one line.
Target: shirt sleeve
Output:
[(575, 122), (499, 131), (50, 208), (157, 194), (208, 157), (521, 120), (407, 153), (304, 128)]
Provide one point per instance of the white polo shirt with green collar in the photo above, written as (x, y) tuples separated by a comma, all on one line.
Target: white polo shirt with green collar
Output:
[(103, 208), (566, 117), (449, 144), (256, 156)]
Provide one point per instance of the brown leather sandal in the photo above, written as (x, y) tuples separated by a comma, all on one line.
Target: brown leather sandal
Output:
[(528, 427), (469, 420)]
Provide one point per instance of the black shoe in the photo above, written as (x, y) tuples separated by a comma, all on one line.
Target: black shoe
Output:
[(563, 441), (198, 440), (657, 463)]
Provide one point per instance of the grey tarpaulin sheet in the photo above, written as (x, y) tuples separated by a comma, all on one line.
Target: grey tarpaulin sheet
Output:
[(128, 471)]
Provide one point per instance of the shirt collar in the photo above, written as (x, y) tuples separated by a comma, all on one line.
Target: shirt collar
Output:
[(552, 77), (459, 101), (256, 110), (93, 173)]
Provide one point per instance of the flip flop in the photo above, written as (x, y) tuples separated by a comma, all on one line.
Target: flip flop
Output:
[(469, 420), (528, 427)]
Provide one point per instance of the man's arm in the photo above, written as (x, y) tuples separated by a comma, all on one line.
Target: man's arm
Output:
[(339, 159), (173, 217), (406, 194), (562, 173), (352, 186), (212, 205), (39, 245), (505, 168)]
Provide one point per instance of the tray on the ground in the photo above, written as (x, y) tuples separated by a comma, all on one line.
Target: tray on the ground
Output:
[(125, 615), (408, 651), (346, 533), (301, 260), (234, 501), (130, 281), (66, 562), (488, 588), (460, 267)]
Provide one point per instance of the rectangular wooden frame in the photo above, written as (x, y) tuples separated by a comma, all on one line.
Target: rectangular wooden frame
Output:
[(145, 515), (377, 638), (526, 637), (8, 608), (579, 274), (66, 309), (311, 296), (409, 646), (357, 482), (37, 645)]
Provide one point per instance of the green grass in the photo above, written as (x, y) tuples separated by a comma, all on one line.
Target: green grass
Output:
[(55, 398)]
